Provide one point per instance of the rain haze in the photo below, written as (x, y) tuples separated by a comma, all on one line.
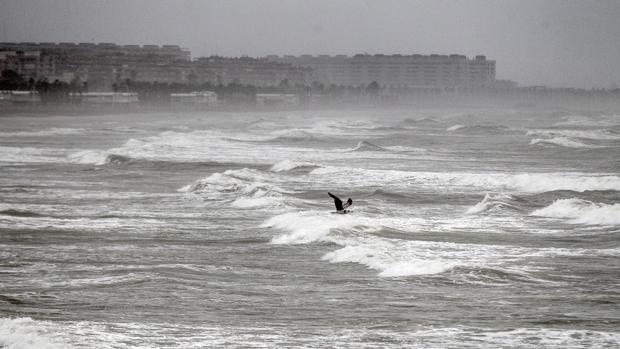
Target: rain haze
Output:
[(552, 43), (309, 174)]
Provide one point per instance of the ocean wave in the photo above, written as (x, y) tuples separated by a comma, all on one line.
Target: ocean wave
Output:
[(288, 165), (98, 158), (599, 134), (245, 187), (419, 121), (477, 129), (357, 244), (294, 134), (493, 202), (404, 149), (443, 181), (562, 141), (598, 120), (366, 146), (19, 213), (42, 133), (26, 333), (31, 155), (303, 228), (455, 127), (582, 212), (88, 157), (386, 264)]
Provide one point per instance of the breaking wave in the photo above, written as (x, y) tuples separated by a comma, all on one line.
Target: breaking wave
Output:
[(492, 202), (454, 128), (386, 264), (476, 129), (367, 146), (582, 212), (98, 158), (26, 333), (31, 155), (303, 228), (42, 133), (561, 141), (288, 165), (245, 187), (357, 246), (599, 134), (441, 181)]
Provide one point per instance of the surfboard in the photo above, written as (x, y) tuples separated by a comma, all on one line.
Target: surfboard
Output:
[(342, 212)]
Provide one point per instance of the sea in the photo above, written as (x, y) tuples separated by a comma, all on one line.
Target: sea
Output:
[(471, 228)]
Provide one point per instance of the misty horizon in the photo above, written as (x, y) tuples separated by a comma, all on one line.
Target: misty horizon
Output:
[(551, 43)]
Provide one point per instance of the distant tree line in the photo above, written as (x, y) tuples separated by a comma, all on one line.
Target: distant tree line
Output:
[(56, 91), (159, 92)]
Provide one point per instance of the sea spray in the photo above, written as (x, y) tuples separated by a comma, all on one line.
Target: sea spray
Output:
[(582, 212)]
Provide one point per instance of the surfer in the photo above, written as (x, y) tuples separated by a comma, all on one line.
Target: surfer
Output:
[(340, 208)]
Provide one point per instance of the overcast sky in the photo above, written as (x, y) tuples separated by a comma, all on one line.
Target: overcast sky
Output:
[(535, 42)]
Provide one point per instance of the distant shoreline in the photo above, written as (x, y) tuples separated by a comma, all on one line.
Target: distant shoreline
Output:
[(52, 110)]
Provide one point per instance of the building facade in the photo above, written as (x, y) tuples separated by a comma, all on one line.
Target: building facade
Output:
[(257, 72), (397, 71)]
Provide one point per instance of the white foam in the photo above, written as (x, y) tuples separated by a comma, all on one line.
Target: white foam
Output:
[(288, 165), (402, 148), (392, 258), (47, 132), (562, 141), (454, 128), (599, 134), (117, 335), (600, 120), (385, 262), (582, 212), (449, 181), (307, 227), (261, 201), (31, 155), (25, 333), (94, 157), (245, 187), (489, 202)]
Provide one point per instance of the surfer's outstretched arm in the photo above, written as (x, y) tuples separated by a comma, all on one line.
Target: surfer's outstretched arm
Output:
[(337, 202)]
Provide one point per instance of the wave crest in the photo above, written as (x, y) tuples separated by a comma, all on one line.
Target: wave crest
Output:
[(246, 188), (386, 264), (27, 333), (582, 212), (288, 165), (492, 203), (367, 146), (561, 141)]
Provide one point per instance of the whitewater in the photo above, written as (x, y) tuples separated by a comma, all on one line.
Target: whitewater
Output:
[(470, 228)]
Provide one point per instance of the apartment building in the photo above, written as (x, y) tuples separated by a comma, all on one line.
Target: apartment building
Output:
[(258, 72), (397, 71)]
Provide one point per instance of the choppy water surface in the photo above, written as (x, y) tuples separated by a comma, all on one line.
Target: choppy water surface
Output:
[(481, 228)]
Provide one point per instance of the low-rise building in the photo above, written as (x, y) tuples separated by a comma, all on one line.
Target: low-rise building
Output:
[(105, 97), (194, 98), (277, 99)]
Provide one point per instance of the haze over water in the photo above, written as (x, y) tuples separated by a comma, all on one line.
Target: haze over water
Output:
[(471, 228)]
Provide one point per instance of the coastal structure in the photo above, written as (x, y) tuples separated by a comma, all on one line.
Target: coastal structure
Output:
[(112, 67), (194, 98), (105, 97), (397, 71), (259, 72)]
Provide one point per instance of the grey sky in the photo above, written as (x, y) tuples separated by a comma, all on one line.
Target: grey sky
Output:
[(557, 43)]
